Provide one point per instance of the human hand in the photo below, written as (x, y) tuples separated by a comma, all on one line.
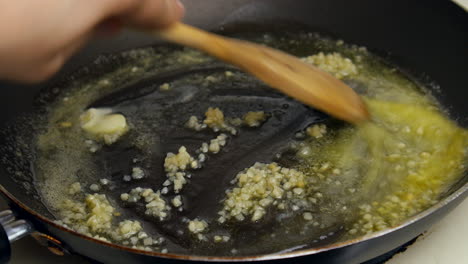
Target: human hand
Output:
[(37, 37)]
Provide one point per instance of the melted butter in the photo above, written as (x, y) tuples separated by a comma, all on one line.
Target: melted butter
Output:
[(399, 164), (415, 154), (368, 177), (103, 125), (394, 167)]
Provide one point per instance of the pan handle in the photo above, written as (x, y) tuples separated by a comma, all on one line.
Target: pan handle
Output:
[(11, 229)]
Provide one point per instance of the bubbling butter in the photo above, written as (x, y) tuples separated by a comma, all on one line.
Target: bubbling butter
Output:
[(103, 125)]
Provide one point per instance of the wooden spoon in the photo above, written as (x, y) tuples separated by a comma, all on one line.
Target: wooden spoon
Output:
[(284, 72)]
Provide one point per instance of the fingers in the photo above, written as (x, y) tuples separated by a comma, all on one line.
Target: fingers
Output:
[(43, 67), (155, 13), (60, 27), (144, 13), (108, 16), (109, 27), (32, 72)]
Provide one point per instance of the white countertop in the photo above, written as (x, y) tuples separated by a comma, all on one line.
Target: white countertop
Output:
[(445, 243)]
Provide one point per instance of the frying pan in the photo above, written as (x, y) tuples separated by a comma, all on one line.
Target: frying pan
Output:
[(427, 37)]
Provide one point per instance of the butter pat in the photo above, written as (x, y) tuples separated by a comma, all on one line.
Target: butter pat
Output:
[(103, 125)]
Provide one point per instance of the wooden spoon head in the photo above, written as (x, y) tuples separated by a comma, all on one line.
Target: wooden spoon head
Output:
[(298, 79)]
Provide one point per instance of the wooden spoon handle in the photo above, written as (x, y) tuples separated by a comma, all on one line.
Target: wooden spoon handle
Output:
[(284, 72), (196, 38)]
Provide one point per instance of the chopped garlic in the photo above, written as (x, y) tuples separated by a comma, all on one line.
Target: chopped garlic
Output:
[(257, 188), (254, 119), (317, 130), (177, 201), (137, 173), (333, 63), (74, 188), (179, 161), (197, 226), (165, 87), (214, 118)]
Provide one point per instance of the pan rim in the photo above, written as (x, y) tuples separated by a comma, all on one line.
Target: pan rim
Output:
[(459, 193)]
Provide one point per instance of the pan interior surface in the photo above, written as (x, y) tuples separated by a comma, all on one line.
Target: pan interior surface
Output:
[(89, 185)]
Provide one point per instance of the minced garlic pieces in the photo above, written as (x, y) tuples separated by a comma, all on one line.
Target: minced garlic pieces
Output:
[(74, 188), (126, 229), (177, 201), (155, 205), (214, 118), (175, 166), (165, 87), (259, 187), (333, 63), (317, 131), (101, 212), (197, 226), (179, 161), (103, 125), (217, 143), (94, 217), (195, 124), (219, 239), (254, 119)]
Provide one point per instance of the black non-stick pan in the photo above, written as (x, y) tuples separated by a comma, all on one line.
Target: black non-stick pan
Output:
[(426, 39)]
